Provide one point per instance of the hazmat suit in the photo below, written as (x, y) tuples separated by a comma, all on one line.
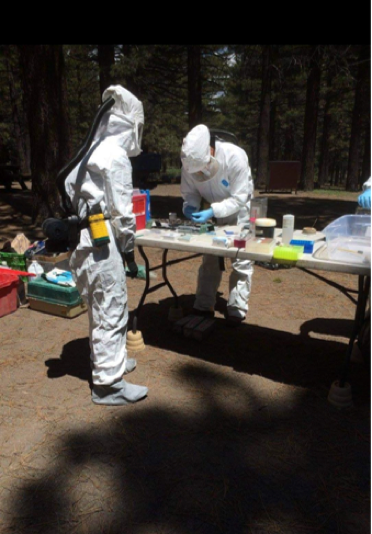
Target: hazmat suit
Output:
[(223, 179), (364, 200), (104, 177)]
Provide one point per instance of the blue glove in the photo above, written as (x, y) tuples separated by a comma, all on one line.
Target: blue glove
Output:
[(188, 211), (364, 200), (202, 216)]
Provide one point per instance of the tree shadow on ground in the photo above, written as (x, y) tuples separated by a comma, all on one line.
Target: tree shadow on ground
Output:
[(231, 461)]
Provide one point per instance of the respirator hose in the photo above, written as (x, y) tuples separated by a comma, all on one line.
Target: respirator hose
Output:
[(64, 172)]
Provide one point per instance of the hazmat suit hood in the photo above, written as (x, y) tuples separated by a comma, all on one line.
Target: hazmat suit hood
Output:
[(195, 151), (125, 118)]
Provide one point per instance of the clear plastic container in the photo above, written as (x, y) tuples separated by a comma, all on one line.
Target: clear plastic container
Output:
[(258, 207), (349, 239), (36, 268)]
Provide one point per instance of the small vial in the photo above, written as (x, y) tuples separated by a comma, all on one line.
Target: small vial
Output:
[(172, 218), (252, 226), (287, 229)]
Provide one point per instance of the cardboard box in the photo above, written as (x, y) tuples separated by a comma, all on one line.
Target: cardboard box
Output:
[(69, 312)]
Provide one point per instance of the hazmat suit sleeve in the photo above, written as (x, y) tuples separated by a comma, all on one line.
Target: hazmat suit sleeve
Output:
[(240, 185), (367, 184), (189, 193)]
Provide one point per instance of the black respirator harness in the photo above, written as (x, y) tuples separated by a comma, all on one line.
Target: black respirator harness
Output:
[(64, 234)]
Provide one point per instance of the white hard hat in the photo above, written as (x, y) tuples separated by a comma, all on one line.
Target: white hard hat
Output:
[(195, 151)]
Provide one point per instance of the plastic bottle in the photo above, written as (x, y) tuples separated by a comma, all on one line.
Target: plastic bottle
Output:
[(287, 229), (35, 268)]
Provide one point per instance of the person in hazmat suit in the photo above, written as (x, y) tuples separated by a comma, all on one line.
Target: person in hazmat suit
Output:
[(102, 183), (221, 177), (364, 200)]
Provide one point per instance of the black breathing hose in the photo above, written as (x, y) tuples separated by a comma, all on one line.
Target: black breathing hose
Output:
[(64, 172)]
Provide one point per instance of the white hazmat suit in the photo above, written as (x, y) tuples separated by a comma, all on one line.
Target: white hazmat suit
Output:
[(104, 176), (225, 182)]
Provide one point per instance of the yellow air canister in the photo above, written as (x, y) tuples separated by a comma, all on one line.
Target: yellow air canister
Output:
[(98, 227)]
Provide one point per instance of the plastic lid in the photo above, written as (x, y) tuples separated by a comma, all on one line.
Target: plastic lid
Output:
[(265, 222)]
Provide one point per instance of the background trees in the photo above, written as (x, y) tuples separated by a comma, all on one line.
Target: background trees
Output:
[(309, 103)]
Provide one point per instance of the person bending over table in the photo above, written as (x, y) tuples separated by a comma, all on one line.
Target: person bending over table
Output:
[(219, 175)]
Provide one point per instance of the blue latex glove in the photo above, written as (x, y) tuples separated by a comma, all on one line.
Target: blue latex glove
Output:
[(202, 216), (364, 200), (188, 211)]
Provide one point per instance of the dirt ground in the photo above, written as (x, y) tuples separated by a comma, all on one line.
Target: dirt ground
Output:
[(236, 435)]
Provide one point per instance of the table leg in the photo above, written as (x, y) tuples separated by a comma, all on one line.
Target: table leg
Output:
[(364, 284)]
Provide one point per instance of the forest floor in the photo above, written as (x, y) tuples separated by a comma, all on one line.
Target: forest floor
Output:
[(236, 435)]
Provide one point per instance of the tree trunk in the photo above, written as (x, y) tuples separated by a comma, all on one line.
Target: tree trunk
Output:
[(361, 94), (310, 124), (324, 150), (106, 60), (44, 89), (366, 166), (194, 85), (273, 132), (264, 124), (19, 121)]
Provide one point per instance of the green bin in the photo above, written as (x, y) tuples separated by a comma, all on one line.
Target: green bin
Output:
[(41, 289), (15, 261)]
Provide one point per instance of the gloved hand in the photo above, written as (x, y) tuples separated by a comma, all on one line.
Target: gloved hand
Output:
[(364, 200), (188, 211), (132, 267), (202, 216)]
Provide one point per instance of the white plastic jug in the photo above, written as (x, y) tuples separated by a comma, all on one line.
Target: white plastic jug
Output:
[(35, 268)]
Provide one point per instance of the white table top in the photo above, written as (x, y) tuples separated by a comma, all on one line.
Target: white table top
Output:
[(202, 243)]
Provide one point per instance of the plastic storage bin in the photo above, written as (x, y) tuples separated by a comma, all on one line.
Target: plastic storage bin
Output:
[(139, 209), (348, 239), (8, 293), (43, 290)]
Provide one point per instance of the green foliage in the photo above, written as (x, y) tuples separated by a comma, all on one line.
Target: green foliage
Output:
[(231, 95)]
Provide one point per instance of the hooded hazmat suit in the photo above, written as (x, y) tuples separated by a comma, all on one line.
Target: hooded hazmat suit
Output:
[(104, 177), (227, 187)]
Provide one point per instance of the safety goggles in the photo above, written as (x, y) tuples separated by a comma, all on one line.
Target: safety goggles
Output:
[(209, 171)]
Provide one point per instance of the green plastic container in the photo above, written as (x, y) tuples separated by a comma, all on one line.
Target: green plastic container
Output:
[(288, 252), (53, 293), (15, 261)]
